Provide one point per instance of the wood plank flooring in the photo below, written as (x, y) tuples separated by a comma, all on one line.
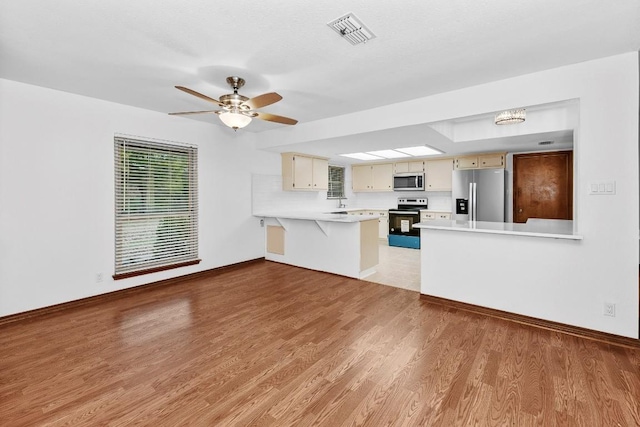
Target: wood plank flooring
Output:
[(273, 345)]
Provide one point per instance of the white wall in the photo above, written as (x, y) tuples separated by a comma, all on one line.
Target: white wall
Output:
[(602, 267), (56, 193), (56, 231)]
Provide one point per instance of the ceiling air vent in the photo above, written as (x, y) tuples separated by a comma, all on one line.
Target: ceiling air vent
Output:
[(351, 29), (545, 142)]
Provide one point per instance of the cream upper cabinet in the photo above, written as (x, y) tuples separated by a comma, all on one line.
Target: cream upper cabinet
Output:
[(304, 173), (378, 177), (320, 174), (361, 178), (491, 160), (468, 162), (405, 167), (479, 161), (438, 176), (383, 177)]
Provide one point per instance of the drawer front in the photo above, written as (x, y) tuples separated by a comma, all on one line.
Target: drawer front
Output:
[(428, 216), (443, 216)]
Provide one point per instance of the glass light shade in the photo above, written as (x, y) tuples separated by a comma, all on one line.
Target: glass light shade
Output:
[(510, 116), (235, 120)]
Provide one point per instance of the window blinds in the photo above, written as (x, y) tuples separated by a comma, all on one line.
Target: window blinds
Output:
[(156, 205), (336, 182)]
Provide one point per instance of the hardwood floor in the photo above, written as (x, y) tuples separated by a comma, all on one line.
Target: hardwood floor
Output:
[(270, 344)]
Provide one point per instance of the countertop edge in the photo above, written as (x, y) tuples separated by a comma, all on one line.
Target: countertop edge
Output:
[(346, 219), (504, 232)]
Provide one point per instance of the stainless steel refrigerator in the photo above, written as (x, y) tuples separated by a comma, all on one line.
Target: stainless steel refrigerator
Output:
[(478, 195)]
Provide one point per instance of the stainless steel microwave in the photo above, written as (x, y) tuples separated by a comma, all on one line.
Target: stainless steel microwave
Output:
[(408, 182)]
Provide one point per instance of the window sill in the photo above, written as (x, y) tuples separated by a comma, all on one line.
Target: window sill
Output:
[(128, 274)]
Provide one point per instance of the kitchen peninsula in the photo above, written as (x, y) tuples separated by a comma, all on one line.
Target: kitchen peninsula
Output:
[(517, 268), (336, 243)]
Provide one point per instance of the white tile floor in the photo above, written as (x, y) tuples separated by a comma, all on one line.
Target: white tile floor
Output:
[(399, 267)]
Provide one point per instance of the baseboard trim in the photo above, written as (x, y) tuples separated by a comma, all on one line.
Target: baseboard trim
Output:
[(102, 298), (539, 323)]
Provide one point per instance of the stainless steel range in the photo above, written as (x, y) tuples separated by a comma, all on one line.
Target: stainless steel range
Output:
[(401, 221)]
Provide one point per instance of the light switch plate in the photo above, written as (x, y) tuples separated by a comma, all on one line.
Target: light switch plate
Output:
[(602, 188)]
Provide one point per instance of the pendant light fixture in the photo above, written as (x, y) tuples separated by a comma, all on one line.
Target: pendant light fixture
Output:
[(509, 117)]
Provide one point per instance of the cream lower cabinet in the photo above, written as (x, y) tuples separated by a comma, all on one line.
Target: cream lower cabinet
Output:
[(383, 225), (378, 177), (304, 173), (383, 220), (429, 215)]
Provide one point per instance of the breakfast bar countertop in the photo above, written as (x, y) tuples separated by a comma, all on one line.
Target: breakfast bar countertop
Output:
[(547, 228), (315, 216)]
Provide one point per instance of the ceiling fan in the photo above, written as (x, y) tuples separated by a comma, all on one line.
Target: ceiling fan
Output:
[(237, 110)]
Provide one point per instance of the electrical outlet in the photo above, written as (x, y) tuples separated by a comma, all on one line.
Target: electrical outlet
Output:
[(609, 309), (99, 277), (262, 223)]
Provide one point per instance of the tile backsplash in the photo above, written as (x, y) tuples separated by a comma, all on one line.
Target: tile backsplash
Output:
[(268, 196)]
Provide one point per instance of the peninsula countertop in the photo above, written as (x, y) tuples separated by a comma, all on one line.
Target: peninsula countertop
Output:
[(315, 216), (547, 228)]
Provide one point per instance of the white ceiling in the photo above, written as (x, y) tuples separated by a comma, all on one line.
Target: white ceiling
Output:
[(134, 52)]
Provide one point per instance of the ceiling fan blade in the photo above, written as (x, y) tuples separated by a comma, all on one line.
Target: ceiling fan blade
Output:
[(274, 118), (262, 100), (193, 112), (198, 94)]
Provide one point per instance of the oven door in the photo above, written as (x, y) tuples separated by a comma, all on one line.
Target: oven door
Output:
[(401, 223)]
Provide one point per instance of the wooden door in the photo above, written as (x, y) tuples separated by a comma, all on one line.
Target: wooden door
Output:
[(543, 186)]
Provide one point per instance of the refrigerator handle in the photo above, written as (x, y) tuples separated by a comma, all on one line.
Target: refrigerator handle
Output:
[(475, 201), (471, 201)]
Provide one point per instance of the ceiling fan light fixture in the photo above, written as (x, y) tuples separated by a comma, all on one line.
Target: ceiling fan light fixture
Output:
[(234, 120), (509, 117)]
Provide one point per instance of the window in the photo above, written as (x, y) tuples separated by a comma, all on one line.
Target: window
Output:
[(156, 210), (336, 182)]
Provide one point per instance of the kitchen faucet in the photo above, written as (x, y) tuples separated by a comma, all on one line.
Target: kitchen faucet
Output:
[(340, 204)]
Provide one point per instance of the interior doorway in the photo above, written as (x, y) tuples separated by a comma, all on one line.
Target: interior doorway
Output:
[(543, 185)]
